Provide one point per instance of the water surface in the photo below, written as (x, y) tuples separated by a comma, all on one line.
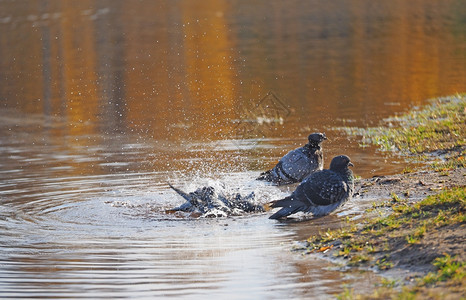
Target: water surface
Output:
[(104, 102)]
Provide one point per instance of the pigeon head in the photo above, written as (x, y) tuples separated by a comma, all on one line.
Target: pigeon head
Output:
[(341, 162), (316, 138)]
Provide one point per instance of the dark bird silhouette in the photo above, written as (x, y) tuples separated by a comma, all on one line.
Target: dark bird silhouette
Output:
[(208, 202), (321, 192), (299, 163)]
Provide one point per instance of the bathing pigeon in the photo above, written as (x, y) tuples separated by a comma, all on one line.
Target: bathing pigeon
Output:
[(321, 192), (297, 164), (208, 202)]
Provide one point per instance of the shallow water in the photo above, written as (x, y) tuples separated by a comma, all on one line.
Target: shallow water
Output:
[(104, 102), (106, 234)]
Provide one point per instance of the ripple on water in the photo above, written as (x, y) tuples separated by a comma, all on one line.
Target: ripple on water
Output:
[(113, 239), (107, 234)]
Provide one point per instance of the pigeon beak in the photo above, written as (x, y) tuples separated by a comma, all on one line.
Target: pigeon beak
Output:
[(350, 164)]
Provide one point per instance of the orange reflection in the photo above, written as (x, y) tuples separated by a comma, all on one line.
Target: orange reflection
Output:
[(171, 70), (210, 72), (179, 77), (79, 68)]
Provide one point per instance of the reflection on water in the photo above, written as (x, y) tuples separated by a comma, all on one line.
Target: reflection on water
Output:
[(103, 102), (105, 67)]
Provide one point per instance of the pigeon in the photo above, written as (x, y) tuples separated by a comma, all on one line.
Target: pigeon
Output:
[(207, 202), (297, 164), (321, 192)]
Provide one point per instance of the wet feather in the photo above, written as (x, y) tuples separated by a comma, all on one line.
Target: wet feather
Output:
[(321, 192)]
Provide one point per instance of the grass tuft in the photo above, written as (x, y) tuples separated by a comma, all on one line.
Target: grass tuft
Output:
[(447, 268), (373, 244), (437, 132)]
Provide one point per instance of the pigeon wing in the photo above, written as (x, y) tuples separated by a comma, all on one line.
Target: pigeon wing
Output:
[(294, 157), (296, 164), (322, 188)]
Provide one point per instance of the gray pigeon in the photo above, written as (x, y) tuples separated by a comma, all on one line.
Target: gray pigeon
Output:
[(207, 202), (299, 163), (320, 193)]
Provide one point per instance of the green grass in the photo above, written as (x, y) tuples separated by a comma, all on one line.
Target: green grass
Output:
[(373, 244), (445, 208), (436, 134), (447, 268), (450, 163), (449, 274), (439, 127)]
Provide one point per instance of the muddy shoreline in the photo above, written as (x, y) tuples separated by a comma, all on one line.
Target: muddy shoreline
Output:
[(407, 263), (411, 186)]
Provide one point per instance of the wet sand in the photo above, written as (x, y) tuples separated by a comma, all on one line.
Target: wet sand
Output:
[(409, 261)]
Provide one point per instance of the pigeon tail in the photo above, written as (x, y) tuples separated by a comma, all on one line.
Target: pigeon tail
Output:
[(289, 206), (181, 193)]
